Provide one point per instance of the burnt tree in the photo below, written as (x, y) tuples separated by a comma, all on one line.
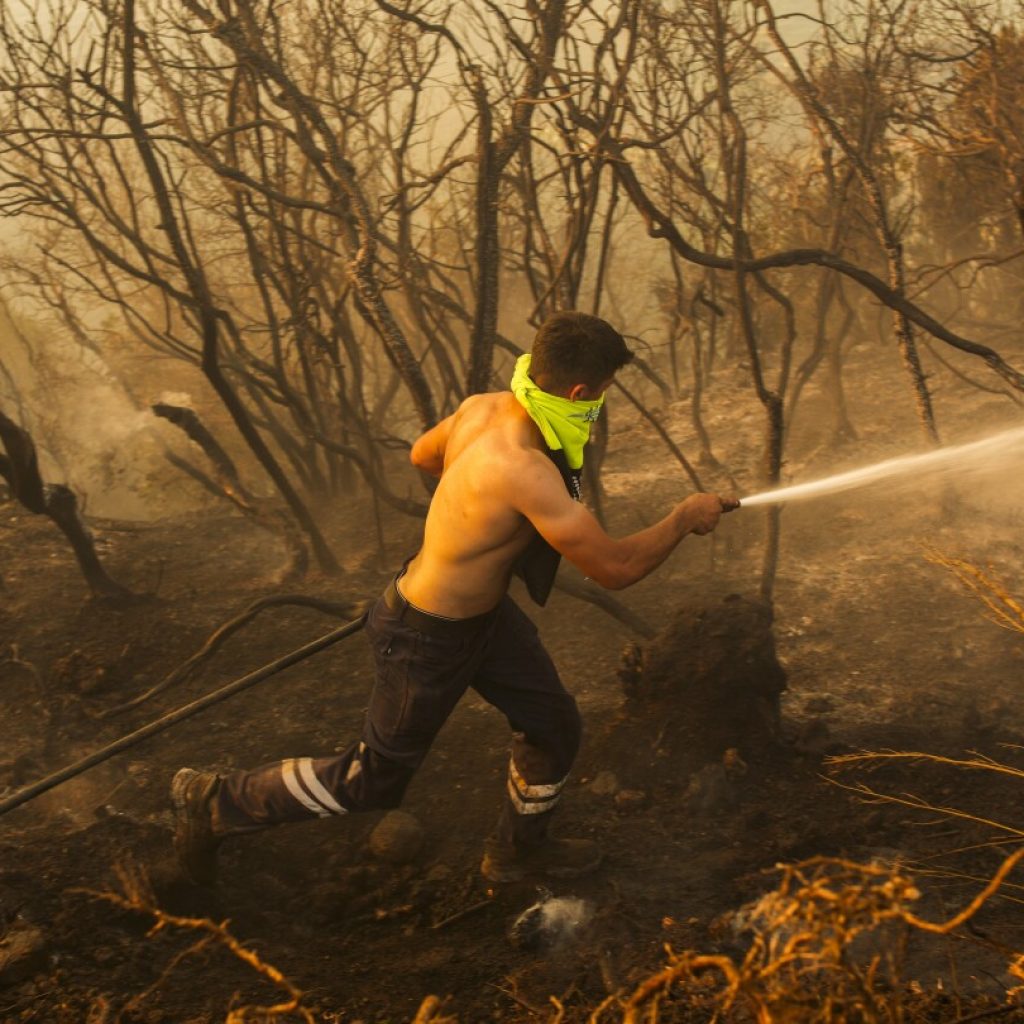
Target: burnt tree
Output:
[(20, 468)]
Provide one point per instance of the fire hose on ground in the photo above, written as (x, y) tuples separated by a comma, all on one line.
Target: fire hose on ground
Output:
[(179, 715)]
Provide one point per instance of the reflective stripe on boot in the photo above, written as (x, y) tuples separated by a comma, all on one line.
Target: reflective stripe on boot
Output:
[(300, 780), (535, 799)]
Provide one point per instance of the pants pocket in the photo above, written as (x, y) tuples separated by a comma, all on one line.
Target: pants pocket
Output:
[(419, 682)]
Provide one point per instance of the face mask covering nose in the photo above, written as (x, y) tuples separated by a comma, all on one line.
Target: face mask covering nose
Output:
[(564, 424)]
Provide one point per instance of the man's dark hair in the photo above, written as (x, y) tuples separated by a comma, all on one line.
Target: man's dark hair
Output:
[(576, 348)]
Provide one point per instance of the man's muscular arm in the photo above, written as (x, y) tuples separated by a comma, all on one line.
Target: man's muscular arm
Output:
[(428, 451), (573, 531)]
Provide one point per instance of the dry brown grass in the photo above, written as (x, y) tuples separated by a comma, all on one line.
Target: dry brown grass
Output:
[(1002, 607), (974, 762), (136, 894), (825, 947)]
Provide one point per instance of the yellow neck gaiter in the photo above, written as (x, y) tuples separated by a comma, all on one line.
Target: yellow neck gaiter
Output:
[(564, 424)]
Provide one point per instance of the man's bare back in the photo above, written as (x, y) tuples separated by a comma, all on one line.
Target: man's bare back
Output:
[(473, 535)]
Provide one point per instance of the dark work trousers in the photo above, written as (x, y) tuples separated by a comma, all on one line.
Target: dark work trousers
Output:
[(424, 665)]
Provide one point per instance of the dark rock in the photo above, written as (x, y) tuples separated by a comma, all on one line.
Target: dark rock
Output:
[(22, 953), (734, 765), (631, 667), (604, 784), (630, 799), (438, 874), (397, 838), (814, 738)]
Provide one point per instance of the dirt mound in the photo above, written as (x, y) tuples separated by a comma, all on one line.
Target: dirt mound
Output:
[(709, 681)]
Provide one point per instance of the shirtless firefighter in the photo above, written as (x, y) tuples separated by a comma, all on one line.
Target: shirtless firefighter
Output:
[(506, 502)]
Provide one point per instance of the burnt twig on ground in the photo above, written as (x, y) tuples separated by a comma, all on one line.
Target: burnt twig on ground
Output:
[(459, 915), (172, 718), (430, 1013)]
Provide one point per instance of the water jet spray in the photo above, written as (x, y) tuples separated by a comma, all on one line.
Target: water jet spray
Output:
[(901, 466)]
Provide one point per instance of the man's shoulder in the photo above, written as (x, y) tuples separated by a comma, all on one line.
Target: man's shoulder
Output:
[(485, 400), (501, 434), (528, 475), (494, 416)]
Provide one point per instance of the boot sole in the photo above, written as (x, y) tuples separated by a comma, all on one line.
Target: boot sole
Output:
[(183, 827)]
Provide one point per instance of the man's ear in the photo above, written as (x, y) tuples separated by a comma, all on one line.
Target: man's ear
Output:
[(578, 393)]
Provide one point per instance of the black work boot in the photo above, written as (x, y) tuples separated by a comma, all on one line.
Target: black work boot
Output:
[(194, 839), (550, 858)]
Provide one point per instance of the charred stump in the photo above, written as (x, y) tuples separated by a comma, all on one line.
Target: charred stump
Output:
[(708, 683)]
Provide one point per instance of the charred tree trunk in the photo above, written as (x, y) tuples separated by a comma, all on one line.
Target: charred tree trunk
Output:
[(227, 484), (733, 155), (20, 468), (492, 156), (195, 430)]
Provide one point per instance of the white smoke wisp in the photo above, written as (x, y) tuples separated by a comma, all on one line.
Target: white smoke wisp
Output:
[(94, 435), (552, 923)]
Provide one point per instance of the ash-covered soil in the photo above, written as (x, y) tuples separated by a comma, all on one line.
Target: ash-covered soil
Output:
[(694, 799)]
